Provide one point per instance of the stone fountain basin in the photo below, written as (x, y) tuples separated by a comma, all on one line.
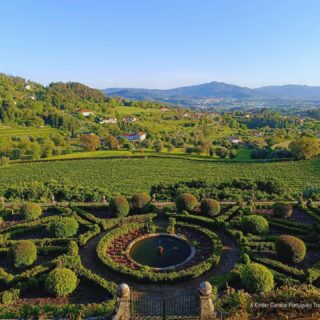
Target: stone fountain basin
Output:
[(142, 251)]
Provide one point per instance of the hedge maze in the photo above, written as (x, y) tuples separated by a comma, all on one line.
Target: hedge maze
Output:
[(45, 267)]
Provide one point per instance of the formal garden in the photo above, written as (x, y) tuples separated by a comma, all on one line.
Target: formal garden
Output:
[(66, 259)]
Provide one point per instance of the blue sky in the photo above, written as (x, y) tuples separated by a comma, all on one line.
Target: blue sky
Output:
[(161, 43)]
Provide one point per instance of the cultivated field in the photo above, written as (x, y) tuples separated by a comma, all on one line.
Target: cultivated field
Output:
[(127, 176)]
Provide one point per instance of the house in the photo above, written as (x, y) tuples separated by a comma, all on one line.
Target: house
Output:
[(131, 120), (164, 109), (257, 133), (28, 87), (235, 140), (135, 136), (86, 113), (108, 120)]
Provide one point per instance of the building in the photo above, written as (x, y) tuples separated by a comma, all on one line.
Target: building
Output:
[(235, 140), (130, 119), (86, 113), (164, 109), (28, 87), (135, 136), (108, 120)]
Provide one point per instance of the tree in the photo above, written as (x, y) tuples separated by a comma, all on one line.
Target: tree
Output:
[(305, 148), (61, 282), (112, 142), (158, 146), (257, 278), (23, 253), (31, 211), (90, 142), (186, 201), (119, 206), (233, 153), (221, 152)]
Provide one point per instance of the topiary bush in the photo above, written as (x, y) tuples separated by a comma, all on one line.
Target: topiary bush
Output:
[(210, 207), (257, 278), (140, 202), (290, 249), (255, 224), (31, 211), (119, 206), (63, 227), (186, 202), (282, 210), (61, 282), (23, 253)]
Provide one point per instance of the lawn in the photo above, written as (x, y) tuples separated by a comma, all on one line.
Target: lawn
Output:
[(132, 175)]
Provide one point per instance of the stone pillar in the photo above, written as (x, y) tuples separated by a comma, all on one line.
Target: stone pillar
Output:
[(122, 310), (206, 311)]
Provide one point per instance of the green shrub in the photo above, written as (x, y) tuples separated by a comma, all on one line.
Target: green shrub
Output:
[(210, 207), (31, 211), (282, 210), (255, 224), (9, 296), (186, 201), (257, 278), (63, 227), (290, 249), (61, 282), (245, 259), (23, 253), (119, 206), (140, 202)]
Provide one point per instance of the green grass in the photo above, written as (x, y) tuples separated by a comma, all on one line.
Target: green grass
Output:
[(128, 176)]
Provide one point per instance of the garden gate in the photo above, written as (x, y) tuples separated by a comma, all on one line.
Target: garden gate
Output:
[(145, 307)]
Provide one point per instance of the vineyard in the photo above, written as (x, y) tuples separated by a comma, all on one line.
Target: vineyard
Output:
[(126, 176)]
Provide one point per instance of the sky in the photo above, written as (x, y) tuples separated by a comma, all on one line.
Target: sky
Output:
[(161, 43)]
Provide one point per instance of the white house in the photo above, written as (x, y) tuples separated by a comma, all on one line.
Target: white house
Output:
[(108, 120), (86, 113), (235, 140), (28, 87), (130, 119), (135, 136)]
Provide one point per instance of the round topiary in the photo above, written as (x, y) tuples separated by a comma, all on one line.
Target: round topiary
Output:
[(255, 224), (63, 227), (23, 253), (140, 202), (61, 282), (119, 206), (257, 278), (186, 201), (31, 211), (290, 249), (210, 207), (282, 210)]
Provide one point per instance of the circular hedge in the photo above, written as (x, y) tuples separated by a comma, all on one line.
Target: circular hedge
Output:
[(140, 202), (257, 278), (255, 224), (147, 274), (290, 249), (119, 206), (63, 227), (61, 282), (31, 211), (186, 201), (210, 207), (282, 210), (23, 253)]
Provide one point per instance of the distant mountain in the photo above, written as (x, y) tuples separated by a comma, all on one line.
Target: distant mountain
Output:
[(218, 90), (209, 90), (291, 91)]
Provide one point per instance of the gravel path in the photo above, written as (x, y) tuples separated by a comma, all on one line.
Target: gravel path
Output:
[(230, 255)]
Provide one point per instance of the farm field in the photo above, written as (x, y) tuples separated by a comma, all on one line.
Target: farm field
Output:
[(127, 176), (30, 131)]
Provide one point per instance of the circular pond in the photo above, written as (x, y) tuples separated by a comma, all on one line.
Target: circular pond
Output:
[(160, 251)]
